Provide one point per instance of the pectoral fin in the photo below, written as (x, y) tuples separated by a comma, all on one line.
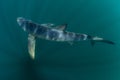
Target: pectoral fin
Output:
[(31, 46)]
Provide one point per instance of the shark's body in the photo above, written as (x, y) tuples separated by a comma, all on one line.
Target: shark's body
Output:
[(58, 33)]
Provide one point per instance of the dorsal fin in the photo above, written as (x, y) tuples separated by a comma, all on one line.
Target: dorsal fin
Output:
[(62, 27)]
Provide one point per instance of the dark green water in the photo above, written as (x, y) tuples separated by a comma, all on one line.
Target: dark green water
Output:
[(60, 61)]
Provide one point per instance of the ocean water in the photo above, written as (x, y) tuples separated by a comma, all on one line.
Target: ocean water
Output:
[(56, 60)]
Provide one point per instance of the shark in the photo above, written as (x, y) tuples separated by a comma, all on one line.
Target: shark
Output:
[(52, 32)]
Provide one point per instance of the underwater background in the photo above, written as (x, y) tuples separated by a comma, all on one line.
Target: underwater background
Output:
[(56, 60)]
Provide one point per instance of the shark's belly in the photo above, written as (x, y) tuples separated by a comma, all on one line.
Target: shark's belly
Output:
[(65, 36), (55, 35), (58, 35)]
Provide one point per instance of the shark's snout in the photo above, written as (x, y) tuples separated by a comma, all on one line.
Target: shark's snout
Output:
[(20, 20)]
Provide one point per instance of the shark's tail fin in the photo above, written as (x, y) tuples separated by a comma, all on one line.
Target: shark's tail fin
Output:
[(98, 39)]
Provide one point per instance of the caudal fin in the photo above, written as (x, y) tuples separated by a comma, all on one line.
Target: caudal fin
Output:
[(97, 39), (107, 41)]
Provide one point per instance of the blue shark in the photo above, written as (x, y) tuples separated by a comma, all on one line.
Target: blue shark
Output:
[(49, 31)]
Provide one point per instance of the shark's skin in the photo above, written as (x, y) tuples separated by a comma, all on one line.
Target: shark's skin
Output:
[(45, 31), (58, 33)]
